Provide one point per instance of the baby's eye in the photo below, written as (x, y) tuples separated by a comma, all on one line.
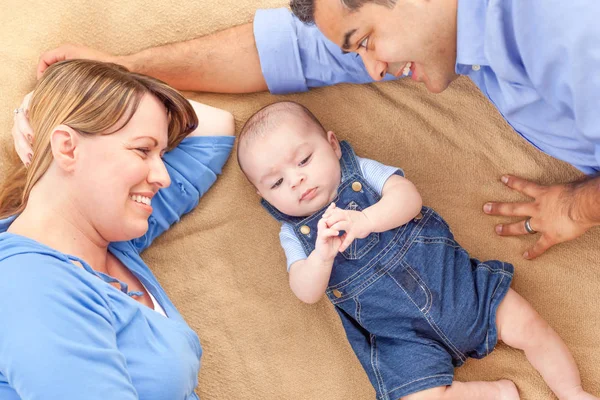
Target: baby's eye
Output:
[(143, 150), (277, 184), (303, 162)]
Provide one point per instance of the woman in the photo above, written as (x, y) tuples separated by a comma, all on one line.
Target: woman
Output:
[(82, 315)]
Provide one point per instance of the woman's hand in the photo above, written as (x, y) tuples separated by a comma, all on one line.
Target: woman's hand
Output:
[(22, 132)]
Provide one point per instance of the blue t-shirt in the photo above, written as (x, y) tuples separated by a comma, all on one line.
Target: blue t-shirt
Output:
[(537, 61), (375, 173), (67, 334)]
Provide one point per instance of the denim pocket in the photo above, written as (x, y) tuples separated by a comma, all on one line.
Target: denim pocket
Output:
[(415, 288), (359, 247)]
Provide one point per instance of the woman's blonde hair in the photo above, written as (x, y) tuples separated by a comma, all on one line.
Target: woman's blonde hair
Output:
[(92, 98)]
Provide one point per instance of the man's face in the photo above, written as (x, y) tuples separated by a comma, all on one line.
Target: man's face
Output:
[(422, 32)]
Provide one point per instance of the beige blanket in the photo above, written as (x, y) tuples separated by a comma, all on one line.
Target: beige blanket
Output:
[(222, 265)]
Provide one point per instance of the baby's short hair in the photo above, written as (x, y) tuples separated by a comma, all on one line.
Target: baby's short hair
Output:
[(270, 118)]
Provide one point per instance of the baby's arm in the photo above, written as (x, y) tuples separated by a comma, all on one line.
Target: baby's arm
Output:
[(400, 202), (309, 277)]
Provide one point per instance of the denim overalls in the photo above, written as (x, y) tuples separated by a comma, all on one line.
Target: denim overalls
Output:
[(412, 302)]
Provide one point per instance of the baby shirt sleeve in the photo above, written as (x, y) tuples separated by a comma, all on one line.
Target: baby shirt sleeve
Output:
[(291, 245), (376, 173), (193, 167), (57, 339)]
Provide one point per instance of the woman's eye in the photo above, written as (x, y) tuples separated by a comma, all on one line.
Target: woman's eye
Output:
[(305, 160), (277, 184)]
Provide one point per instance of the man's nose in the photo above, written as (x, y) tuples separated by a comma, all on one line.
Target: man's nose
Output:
[(376, 69)]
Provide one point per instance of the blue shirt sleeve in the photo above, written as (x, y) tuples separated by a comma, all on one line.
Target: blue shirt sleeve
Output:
[(57, 339), (295, 56), (563, 63), (291, 245), (193, 167)]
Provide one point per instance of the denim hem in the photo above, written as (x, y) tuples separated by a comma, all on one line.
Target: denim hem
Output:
[(418, 385), (491, 339)]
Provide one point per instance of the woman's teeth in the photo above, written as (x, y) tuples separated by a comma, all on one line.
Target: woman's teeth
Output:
[(140, 199)]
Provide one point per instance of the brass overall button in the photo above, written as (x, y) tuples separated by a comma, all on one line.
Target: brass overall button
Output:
[(356, 186), (337, 293), (419, 217), (305, 229)]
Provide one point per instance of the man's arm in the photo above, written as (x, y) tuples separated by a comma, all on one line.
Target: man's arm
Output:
[(226, 62), (276, 52)]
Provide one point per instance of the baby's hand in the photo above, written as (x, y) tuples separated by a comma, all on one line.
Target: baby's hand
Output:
[(354, 223), (328, 240)]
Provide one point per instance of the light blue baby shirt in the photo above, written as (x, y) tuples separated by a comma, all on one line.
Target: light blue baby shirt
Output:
[(67, 334), (538, 62)]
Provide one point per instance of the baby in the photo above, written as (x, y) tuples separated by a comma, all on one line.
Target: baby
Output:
[(413, 303)]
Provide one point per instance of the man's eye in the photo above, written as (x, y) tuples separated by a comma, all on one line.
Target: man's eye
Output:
[(303, 162), (277, 184), (364, 43)]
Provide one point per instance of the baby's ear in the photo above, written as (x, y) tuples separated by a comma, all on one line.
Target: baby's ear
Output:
[(335, 145), (258, 193)]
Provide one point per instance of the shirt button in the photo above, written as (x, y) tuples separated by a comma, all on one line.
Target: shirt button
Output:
[(305, 229), (356, 186), (419, 217), (337, 293), (475, 67)]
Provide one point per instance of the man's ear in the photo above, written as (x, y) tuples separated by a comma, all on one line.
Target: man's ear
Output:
[(335, 145), (63, 142)]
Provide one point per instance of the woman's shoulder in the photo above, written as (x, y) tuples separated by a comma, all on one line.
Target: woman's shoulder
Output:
[(32, 272)]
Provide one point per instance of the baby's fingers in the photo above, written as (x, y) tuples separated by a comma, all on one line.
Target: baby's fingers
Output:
[(347, 240), (327, 212)]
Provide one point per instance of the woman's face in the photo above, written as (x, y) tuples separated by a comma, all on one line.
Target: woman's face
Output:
[(117, 175)]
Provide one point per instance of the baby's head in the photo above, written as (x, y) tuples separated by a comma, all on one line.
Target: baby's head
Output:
[(289, 157)]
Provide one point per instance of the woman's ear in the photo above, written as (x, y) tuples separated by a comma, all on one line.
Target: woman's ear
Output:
[(63, 142), (335, 145)]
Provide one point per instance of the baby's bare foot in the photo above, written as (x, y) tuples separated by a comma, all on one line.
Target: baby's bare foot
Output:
[(508, 390)]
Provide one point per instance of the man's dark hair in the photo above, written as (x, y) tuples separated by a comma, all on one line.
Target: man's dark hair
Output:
[(305, 9)]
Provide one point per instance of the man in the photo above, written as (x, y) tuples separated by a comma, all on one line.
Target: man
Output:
[(538, 63)]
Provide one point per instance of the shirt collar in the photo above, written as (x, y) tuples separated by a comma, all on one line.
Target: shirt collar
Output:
[(470, 34), (5, 223)]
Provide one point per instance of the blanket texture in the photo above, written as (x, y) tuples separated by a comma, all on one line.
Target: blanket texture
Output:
[(222, 264)]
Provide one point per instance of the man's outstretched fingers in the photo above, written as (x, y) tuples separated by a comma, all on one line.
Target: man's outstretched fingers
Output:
[(524, 186), (543, 244)]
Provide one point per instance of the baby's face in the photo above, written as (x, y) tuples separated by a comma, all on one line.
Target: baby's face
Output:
[(295, 168)]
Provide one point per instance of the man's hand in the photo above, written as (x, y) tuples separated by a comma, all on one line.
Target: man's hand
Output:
[(554, 213), (355, 224), (69, 52), (22, 133)]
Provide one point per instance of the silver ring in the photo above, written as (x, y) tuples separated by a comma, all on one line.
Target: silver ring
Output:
[(528, 227), (18, 110)]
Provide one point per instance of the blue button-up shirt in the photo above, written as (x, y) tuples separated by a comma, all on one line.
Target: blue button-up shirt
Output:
[(539, 64)]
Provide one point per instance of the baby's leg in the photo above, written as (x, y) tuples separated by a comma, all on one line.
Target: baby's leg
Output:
[(498, 390), (520, 326)]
